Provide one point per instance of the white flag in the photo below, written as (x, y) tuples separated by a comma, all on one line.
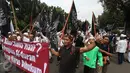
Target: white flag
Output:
[(11, 26)]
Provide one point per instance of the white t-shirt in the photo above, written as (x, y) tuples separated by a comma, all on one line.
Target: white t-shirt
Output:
[(121, 46)]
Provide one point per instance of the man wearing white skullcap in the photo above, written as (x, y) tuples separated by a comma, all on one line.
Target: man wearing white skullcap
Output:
[(26, 37), (121, 48)]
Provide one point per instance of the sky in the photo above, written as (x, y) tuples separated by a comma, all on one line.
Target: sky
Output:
[(84, 7)]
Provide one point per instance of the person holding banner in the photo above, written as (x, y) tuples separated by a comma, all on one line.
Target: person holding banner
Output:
[(10, 36), (69, 53), (19, 37), (26, 37)]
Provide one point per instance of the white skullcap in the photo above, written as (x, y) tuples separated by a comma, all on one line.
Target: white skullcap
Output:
[(9, 32), (14, 35), (17, 32), (90, 38), (25, 33), (122, 35)]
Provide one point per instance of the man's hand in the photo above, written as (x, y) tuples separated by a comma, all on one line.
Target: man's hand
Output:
[(82, 49), (99, 69), (87, 59)]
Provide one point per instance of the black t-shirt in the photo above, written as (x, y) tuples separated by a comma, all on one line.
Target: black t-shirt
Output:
[(99, 45), (79, 42), (68, 59)]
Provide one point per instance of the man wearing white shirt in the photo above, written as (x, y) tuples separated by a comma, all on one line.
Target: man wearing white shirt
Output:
[(121, 48)]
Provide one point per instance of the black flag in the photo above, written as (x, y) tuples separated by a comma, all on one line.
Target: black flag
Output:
[(94, 22), (73, 16), (48, 26), (4, 18), (73, 20), (71, 26)]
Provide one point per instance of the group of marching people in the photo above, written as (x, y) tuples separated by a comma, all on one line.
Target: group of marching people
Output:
[(27, 36), (95, 50)]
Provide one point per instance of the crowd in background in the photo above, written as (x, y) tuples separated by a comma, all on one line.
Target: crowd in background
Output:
[(96, 50)]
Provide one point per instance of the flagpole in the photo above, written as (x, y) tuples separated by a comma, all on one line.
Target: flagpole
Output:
[(30, 23), (63, 29), (31, 27), (86, 27), (25, 28), (66, 21), (15, 22), (37, 16)]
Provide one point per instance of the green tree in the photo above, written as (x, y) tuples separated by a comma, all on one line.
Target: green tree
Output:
[(113, 19), (25, 9), (118, 7)]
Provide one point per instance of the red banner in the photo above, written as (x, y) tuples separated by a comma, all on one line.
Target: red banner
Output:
[(30, 57)]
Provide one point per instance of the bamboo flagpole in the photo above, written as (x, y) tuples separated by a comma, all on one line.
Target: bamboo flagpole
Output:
[(66, 21), (25, 28), (15, 21), (63, 29), (30, 29), (32, 26)]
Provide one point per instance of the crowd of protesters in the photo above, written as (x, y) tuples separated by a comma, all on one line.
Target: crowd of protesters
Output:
[(97, 58), (93, 48), (96, 50), (27, 36)]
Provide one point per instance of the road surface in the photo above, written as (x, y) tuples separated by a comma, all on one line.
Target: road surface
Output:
[(112, 68)]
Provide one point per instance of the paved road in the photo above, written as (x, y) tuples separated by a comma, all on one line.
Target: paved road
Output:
[(116, 68), (112, 68)]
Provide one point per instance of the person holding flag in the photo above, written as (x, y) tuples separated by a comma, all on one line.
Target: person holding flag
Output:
[(68, 54)]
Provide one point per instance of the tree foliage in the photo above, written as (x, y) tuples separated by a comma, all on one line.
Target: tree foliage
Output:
[(119, 10), (25, 9), (111, 19)]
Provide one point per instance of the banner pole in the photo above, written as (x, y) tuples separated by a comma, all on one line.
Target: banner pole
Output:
[(15, 22)]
